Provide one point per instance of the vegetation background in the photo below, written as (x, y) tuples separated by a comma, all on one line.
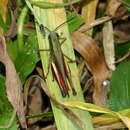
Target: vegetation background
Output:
[(97, 39)]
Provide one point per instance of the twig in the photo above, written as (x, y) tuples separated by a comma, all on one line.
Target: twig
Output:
[(94, 23), (123, 58), (118, 125)]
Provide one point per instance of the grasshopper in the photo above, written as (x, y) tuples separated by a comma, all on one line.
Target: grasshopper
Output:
[(58, 65)]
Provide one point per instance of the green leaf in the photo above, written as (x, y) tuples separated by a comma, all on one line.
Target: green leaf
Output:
[(12, 49), (75, 21), (4, 120), (127, 1), (43, 115), (120, 87), (122, 49), (27, 58), (4, 103), (5, 107), (127, 7), (3, 25)]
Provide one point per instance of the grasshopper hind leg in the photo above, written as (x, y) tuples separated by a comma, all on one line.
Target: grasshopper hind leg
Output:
[(68, 74)]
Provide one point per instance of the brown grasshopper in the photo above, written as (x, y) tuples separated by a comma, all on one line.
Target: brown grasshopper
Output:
[(58, 65)]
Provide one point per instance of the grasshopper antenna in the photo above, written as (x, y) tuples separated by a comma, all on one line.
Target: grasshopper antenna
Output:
[(42, 27), (64, 23)]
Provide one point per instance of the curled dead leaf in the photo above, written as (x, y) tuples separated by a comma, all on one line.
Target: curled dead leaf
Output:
[(95, 62), (35, 103)]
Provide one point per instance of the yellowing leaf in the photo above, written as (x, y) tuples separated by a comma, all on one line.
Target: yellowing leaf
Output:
[(94, 108), (3, 9), (126, 120), (88, 107)]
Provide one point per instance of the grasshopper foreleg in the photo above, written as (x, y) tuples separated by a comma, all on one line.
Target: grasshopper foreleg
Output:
[(70, 60), (70, 80), (63, 40)]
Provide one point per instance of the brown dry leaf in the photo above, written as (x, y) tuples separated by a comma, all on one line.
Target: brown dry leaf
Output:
[(34, 127), (36, 101), (121, 14), (13, 85), (122, 32), (113, 126), (90, 51), (3, 9), (14, 4), (13, 27), (50, 127), (35, 106), (112, 7)]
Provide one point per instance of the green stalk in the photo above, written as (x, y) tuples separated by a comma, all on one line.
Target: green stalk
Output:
[(41, 115), (51, 18), (46, 5), (21, 20)]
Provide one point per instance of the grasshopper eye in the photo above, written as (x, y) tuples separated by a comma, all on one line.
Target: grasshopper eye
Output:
[(41, 27), (106, 83)]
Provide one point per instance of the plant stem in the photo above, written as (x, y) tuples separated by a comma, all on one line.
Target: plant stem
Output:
[(51, 18)]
